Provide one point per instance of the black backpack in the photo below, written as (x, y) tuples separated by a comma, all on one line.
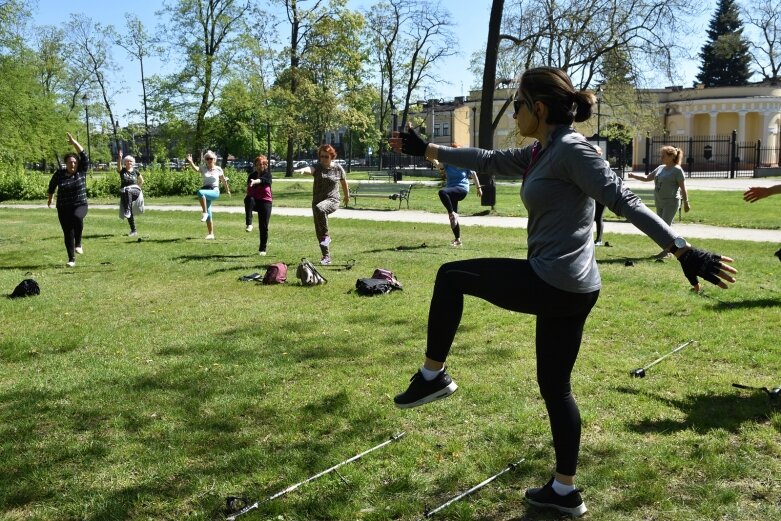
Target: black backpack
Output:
[(26, 288)]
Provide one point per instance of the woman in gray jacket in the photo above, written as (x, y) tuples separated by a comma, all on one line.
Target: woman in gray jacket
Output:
[(559, 282)]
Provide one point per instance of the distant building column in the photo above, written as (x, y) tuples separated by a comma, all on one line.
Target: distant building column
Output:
[(742, 125), (689, 118), (770, 137), (713, 120)]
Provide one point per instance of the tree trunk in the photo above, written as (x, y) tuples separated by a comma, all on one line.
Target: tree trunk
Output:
[(486, 138)]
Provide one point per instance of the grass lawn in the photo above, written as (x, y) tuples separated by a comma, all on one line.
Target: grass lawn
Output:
[(149, 383)]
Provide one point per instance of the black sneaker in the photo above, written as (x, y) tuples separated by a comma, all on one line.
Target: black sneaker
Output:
[(546, 497), (421, 391), (778, 254)]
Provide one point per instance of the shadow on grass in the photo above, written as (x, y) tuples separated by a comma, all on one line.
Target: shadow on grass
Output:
[(705, 412), (28, 267), (209, 257), (743, 304), (623, 260)]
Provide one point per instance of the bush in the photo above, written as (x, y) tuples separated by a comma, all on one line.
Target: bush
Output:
[(163, 181), (23, 185)]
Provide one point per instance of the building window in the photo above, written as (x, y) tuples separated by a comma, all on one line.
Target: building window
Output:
[(437, 130), (446, 129), (341, 138)]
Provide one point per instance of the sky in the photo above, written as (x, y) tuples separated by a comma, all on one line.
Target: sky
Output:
[(470, 20)]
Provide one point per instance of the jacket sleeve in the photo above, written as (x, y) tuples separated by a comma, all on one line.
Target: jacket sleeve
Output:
[(511, 162), (53, 183), (83, 162)]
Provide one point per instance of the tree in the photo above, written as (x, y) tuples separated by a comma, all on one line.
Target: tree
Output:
[(90, 53), (725, 56), (384, 22), (208, 53), (428, 37), (765, 17), (139, 44)]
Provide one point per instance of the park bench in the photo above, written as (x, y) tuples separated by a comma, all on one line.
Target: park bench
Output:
[(392, 191), (384, 175)]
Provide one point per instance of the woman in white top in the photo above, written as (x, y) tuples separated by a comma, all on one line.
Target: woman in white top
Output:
[(210, 191)]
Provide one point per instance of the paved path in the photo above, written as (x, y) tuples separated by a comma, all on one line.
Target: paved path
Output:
[(690, 231)]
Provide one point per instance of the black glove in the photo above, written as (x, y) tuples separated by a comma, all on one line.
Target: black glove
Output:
[(696, 262), (412, 144)]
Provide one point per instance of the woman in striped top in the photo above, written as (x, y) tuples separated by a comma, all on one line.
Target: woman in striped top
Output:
[(70, 184)]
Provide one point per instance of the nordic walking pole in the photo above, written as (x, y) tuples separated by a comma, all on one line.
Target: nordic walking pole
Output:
[(291, 488), (640, 372), (772, 393), (428, 513)]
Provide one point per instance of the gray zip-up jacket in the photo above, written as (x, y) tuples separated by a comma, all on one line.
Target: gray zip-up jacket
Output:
[(558, 191)]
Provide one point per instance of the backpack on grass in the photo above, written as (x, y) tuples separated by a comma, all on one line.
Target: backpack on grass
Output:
[(382, 281), (275, 274), (26, 288), (308, 274)]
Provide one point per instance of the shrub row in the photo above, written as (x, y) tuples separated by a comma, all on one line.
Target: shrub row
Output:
[(24, 185)]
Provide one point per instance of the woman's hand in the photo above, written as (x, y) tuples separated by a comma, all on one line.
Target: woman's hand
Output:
[(755, 193), (710, 266), (409, 143), (71, 139), (686, 206)]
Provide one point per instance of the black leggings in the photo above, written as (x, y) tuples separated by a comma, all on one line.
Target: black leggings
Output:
[(512, 284), (264, 216), (450, 197), (599, 212), (72, 222)]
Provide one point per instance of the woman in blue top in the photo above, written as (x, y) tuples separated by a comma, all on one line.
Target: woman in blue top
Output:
[(455, 190), (559, 283), (71, 187)]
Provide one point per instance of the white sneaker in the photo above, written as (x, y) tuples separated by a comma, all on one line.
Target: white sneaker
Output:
[(210, 237), (249, 228), (204, 217), (453, 219), (326, 241), (79, 250), (70, 264), (262, 253), (456, 243), (132, 234)]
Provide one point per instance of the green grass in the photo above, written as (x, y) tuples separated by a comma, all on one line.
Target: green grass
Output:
[(149, 383)]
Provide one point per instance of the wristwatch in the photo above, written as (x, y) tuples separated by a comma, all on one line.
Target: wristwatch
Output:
[(678, 243)]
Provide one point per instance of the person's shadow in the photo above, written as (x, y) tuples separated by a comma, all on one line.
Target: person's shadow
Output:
[(727, 410)]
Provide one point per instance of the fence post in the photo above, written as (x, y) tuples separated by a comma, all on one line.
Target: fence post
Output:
[(647, 159), (733, 155), (757, 153), (690, 156)]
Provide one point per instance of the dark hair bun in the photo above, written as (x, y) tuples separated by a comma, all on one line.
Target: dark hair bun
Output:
[(584, 101)]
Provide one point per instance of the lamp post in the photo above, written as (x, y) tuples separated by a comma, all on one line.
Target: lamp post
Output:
[(599, 108), (86, 114)]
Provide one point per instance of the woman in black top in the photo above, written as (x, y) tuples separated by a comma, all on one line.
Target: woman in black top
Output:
[(131, 182), (71, 186)]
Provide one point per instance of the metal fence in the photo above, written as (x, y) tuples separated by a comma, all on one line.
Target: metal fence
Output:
[(713, 156)]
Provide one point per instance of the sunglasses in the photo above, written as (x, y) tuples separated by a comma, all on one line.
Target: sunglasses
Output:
[(518, 103)]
